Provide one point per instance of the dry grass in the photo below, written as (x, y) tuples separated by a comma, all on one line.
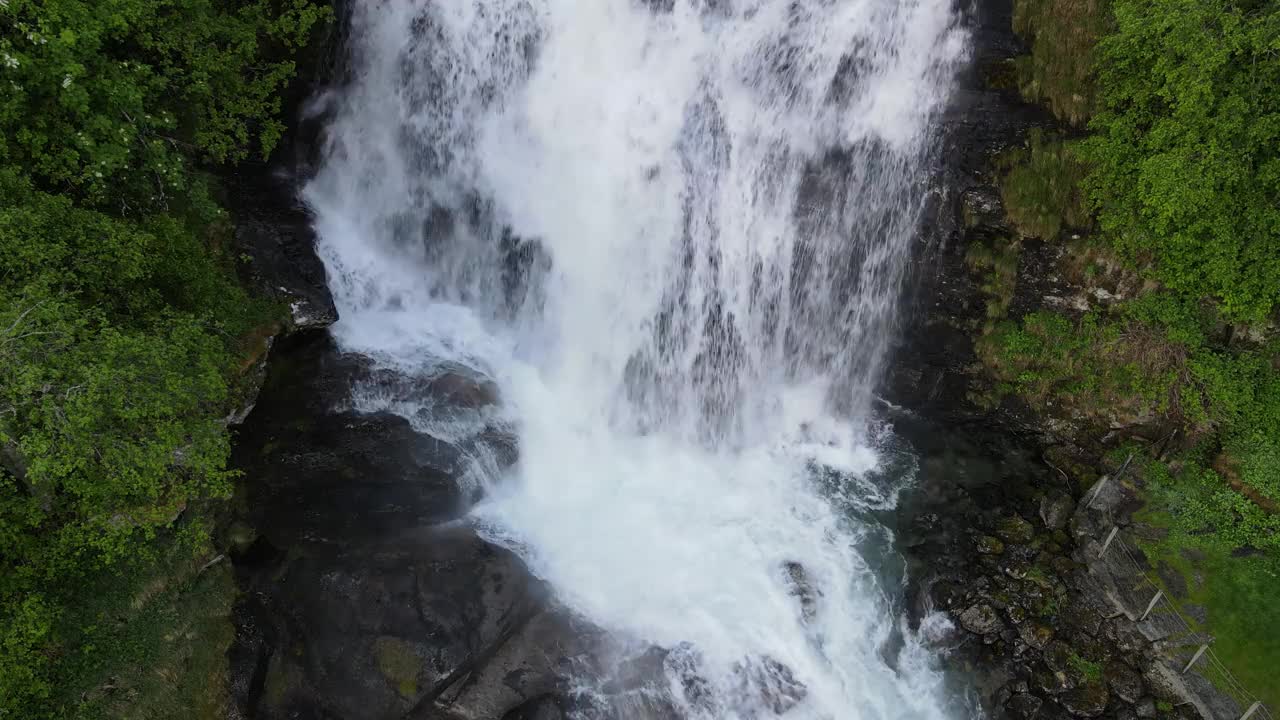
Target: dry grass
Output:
[(1059, 70)]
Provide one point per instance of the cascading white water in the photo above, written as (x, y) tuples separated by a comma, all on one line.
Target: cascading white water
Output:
[(673, 233)]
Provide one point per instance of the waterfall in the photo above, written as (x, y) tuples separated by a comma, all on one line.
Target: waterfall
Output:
[(672, 233)]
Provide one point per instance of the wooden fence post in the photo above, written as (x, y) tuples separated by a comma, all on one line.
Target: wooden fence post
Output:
[(1152, 604), (1102, 482), (1195, 657), (1110, 536)]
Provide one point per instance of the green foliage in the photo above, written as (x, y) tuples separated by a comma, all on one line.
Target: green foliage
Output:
[(1059, 71), (151, 635), (111, 100), (996, 260), (1098, 366), (121, 323), (1185, 154), (1041, 190), (1235, 590), (1153, 360), (1088, 669)]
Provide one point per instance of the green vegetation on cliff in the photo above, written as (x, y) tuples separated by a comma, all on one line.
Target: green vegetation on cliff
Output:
[(120, 317), (1185, 154), (1181, 170), (1174, 184)]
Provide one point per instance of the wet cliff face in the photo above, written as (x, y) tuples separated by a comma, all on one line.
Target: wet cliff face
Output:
[(935, 371), (360, 598)]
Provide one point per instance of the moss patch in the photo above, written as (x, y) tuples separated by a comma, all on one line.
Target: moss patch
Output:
[(399, 664), (995, 259)]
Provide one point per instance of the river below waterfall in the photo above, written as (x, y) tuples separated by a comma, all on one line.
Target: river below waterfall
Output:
[(670, 237)]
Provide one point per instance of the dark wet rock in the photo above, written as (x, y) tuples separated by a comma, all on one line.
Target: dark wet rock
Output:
[(1023, 706), (1015, 529), (981, 619), (772, 682), (800, 587), (545, 707), (1146, 707), (988, 545), (275, 240), (1124, 681), (463, 388), (375, 631), (360, 598), (636, 672), (1087, 700), (1055, 509), (317, 473)]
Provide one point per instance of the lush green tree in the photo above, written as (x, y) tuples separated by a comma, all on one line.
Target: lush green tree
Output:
[(120, 317), (1186, 150), (110, 99)]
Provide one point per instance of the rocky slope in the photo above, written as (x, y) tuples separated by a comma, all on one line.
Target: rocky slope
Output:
[(1005, 530)]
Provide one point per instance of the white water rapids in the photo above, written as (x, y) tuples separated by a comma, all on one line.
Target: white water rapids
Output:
[(673, 233)]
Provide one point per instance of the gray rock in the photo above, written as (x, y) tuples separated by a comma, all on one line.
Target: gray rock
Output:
[(1015, 529), (1087, 700), (359, 597), (1023, 706), (1050, 681), (1036, 635), (1146, 707), (539, 708), (1055, 509), (1124, 681), (981, 619)]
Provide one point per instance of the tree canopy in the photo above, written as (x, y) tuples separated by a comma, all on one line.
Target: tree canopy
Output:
[(120, 314)]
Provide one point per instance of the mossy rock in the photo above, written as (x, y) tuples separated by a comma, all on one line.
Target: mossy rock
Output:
[(165, 656), (988, 545), (1086, 700), (1015, 529), (399, 664), (282, 680), (239, 537)]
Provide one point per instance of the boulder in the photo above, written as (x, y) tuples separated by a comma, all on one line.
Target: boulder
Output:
[(1055, 509), (1015, 529), (988, 545), (1023, 706), (981, 619), (1087, 700), (275, 239), (1124, 681)]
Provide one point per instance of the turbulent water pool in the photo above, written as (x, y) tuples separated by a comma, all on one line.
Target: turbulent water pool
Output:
[(673, 235)]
